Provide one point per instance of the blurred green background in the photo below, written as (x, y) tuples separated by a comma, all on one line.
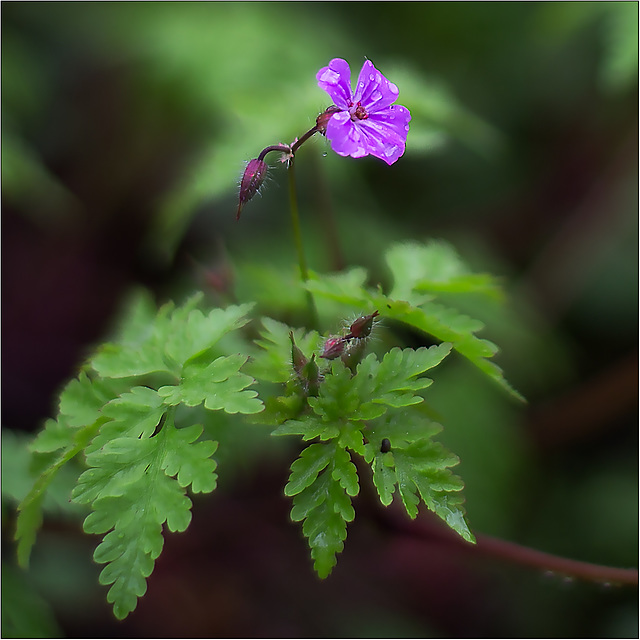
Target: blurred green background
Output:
[(125, 129)]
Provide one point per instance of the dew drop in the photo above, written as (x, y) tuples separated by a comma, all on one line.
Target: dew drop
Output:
[(371, 78), (330, 76), (375, 96), (324, 155), (389, 151), (393, 88)]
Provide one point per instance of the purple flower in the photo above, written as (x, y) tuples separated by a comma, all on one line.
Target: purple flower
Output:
[(366, 122)]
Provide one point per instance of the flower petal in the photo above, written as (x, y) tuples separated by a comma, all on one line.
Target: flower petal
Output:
[(383, 140), (336, 81), (373, 90), (345, 136)]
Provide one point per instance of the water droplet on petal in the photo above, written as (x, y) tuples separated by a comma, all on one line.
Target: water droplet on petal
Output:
[(393, 88), (375, 96), (330, 76), (389, 151), (371, 77)]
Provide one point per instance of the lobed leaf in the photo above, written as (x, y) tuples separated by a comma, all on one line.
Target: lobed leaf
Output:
[(325, 506), (219, 385), (273, 362), (137, 483)]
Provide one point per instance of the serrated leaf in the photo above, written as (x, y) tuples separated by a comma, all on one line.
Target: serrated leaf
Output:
[(434, 267), (417, 308), (219, 385), (82, 399), (306, 468), (393, 381), (384, 477), (131, 488), (29, 510), (416, 466), (309, 428), (448, 325), (191, 463), (273, 362), (193, 332), (325, 508), (345, 472), (338, 399)]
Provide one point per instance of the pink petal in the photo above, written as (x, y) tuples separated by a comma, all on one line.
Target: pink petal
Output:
[(336, 81), (373, 90), (345, 137)]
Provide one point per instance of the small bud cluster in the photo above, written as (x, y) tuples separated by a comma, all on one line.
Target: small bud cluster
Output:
[(349, 347)]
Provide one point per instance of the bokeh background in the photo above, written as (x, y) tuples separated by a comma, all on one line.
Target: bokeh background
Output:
[(125, 129)]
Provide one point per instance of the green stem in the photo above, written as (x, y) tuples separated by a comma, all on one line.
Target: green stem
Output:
[(297, 237)]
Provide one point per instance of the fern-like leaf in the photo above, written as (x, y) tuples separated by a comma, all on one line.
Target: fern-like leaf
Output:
[(135, 485), (323, 500)]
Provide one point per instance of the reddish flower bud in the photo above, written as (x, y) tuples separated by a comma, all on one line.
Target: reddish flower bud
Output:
[(323, 119), (333, 347), (253, 177), (361, 328)]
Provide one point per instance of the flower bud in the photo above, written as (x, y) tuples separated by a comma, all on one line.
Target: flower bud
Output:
[(333, 347), (253, 177), (312, 376), (298, 359), (361, 328), (323, 119)]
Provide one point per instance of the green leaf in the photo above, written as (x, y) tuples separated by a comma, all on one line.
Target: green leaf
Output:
[(434, 267), (413, 279), (30, 509), (220, 385), (191, 463), (325, 505), (191, 332), (131, 487), (273, 362), (345, 472), (417, 467), (393, 381), (306, 468)]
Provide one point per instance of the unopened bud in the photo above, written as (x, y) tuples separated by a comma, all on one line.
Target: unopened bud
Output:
[(298, 359), (323, 119), (361, 328), (333, 347), (253, 177), (312, 377)]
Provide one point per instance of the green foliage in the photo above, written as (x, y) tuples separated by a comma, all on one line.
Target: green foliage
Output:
[(350, 409), (352, 414), (417, 269), (120, 412)]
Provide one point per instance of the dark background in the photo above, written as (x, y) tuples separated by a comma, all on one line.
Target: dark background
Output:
[(125, 127)]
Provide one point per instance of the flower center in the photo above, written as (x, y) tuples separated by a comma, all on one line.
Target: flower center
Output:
[(357, 111)]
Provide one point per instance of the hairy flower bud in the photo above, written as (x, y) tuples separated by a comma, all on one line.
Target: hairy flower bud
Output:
[(333, 347), (361, 328), (252, 180), (323, 119)]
